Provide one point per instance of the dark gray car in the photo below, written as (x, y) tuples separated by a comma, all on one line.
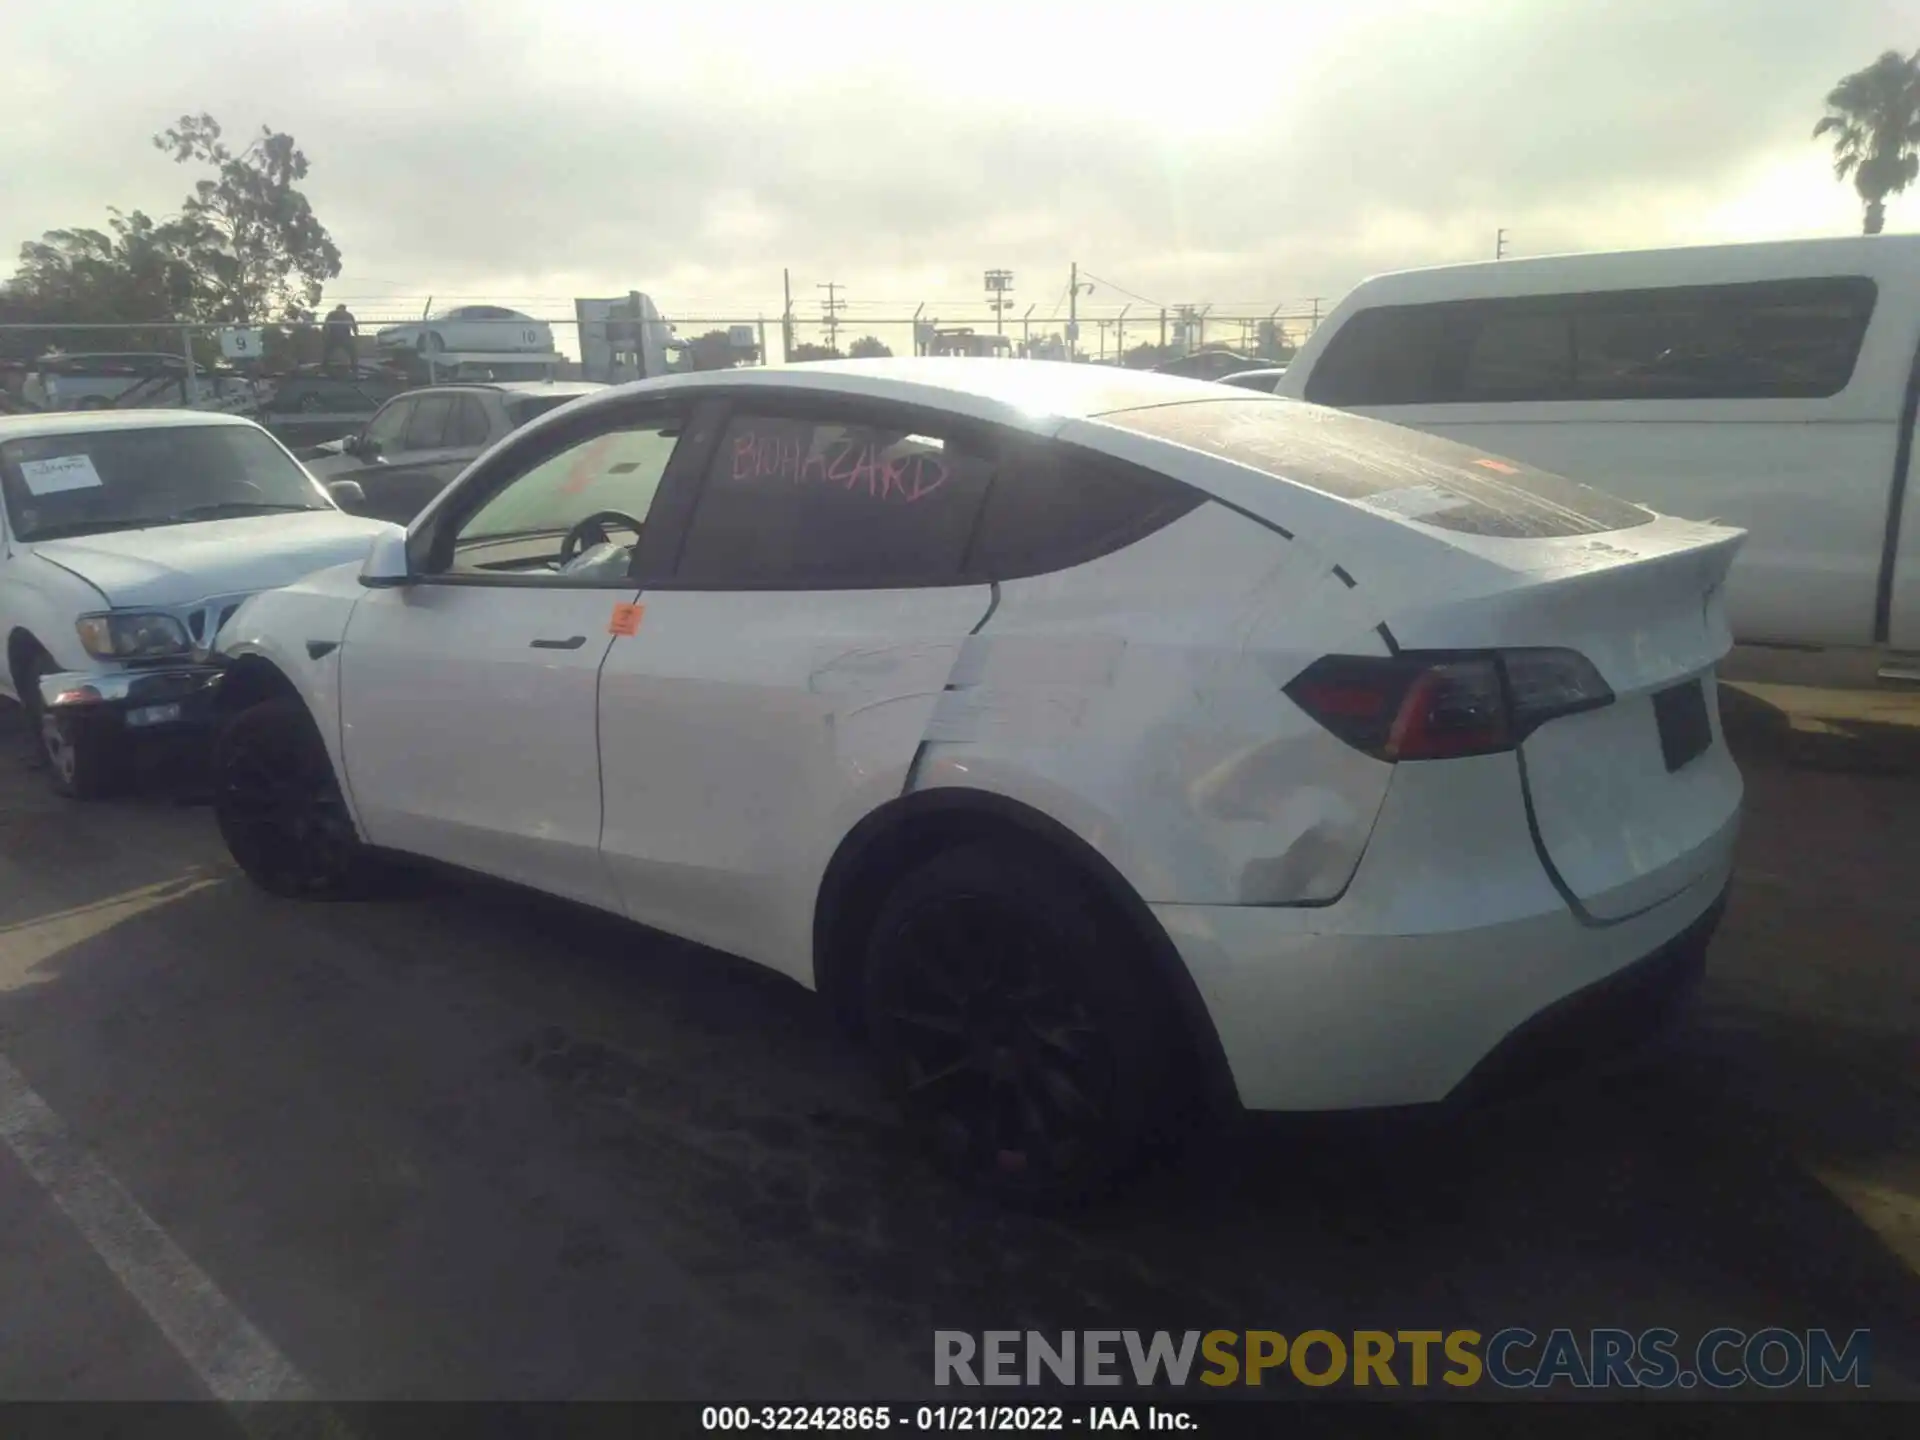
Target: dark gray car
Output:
[(418, 442)]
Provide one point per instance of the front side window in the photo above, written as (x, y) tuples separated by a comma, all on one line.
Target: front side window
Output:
[(90, 483), (1384, 356), (520, 530), (387, 431), (825, 505)]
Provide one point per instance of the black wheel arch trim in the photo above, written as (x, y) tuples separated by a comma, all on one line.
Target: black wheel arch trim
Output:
[(834, 969), (246, 680)]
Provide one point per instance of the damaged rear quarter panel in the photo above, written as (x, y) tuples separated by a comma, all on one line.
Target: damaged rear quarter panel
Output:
[(1138, 699)]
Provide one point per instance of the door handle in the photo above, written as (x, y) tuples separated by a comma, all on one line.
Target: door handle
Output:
[(573, 643)]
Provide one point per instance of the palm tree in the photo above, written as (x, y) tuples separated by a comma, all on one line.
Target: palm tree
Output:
[(1874, 118)]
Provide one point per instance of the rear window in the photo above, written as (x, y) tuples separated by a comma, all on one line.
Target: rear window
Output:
[(1776, 339), (1387, 468)]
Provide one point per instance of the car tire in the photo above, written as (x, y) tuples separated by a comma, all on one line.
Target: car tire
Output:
[(1011, 1007), (279, 807), (86, 756), (433, 342)]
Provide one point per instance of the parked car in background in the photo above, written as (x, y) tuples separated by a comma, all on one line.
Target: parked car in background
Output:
[(479, 329), (1771, 386), (1209, 364), (1265, 381), (94, 381), (126, 538), (312, 405), (1100, 739), (418, 441), (216, 387)]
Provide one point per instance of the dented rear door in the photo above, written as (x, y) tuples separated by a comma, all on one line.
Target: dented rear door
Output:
[(780, 685)]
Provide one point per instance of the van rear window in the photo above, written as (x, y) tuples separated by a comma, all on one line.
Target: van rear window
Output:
[(1387, 468), (1769, 340)]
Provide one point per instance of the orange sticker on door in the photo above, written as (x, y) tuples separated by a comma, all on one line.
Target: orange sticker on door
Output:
[(626, 620)]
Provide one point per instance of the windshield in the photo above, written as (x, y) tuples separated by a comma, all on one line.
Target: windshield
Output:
[(103, 480)]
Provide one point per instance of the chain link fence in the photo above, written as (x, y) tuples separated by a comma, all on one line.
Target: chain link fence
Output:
[(60, 366)]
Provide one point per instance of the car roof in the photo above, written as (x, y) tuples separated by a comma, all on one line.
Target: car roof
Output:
[(86, 422), (1027, 394)]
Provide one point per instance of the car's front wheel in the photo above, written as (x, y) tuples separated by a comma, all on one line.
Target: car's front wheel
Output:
[(1012, 1009), (86, 756), (279, 806)]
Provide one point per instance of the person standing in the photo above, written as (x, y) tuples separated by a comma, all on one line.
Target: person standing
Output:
[(342, 330)]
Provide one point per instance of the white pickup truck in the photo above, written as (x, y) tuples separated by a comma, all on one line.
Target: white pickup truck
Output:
[(1770, 386), (126, 540)]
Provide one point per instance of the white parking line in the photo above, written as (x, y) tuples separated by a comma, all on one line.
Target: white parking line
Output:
[(235, 1361)]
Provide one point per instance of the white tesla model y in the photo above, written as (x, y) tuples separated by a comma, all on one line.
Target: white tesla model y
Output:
[(1091, 738)]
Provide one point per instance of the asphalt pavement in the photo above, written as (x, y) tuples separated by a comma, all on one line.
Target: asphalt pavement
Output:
[(472, 1144)]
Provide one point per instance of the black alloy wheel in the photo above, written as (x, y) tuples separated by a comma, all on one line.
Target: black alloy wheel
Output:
[(1012, 1014), (279, 806)]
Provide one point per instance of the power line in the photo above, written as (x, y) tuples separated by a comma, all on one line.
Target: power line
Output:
[(1121, 288)]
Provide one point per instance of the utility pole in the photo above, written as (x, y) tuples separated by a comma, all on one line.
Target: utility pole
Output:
[(1500, 244), (786, 316), (1120, 336), (1074, 291), (830, 309), (1026, 332), (999, 287)]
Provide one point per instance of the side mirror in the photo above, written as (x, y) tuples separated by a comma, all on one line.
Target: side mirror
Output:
[(350, 444), (387, 566), (346, 493)]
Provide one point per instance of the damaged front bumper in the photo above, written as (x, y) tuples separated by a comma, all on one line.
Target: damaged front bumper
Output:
[(162, 698)]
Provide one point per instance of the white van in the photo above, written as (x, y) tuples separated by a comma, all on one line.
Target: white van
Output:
[(1768, 386)]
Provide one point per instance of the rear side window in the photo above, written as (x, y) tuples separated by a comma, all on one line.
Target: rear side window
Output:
[(1776, 339), (1387, 468), (428, 428), (1060, 507), (469, 428), (823, 505)]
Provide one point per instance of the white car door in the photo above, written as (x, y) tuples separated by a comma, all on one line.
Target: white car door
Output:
[(782, 678), (468, 695)]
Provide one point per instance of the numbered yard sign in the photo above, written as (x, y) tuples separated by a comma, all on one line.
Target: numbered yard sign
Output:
[(237, 343)]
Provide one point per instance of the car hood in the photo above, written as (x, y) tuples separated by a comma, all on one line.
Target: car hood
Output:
[(169, 565)]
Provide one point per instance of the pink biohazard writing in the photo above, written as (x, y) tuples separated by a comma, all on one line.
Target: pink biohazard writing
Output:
[(860, 467)]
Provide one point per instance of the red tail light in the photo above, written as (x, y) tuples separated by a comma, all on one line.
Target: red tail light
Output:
[(1428, 706)]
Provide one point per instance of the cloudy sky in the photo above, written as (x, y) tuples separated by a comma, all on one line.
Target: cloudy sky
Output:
[(1247, 155)]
